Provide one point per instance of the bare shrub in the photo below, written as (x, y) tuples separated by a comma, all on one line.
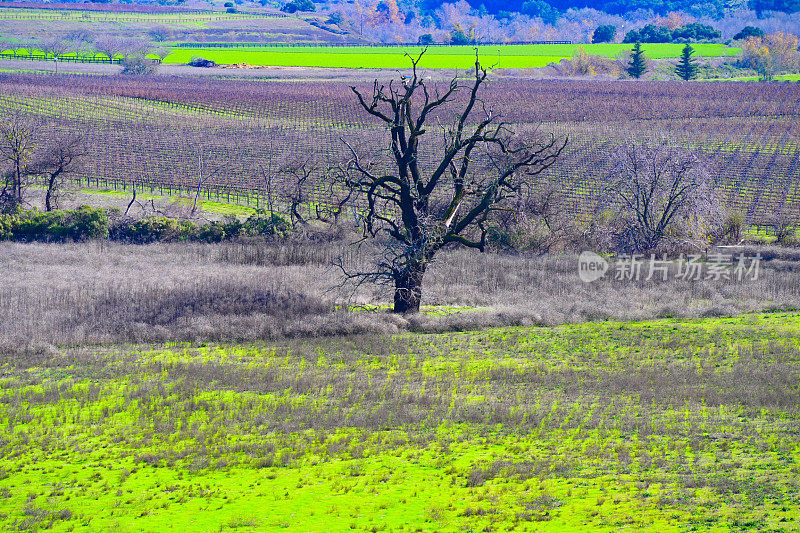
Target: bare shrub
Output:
[(784, 227), (138, 66), (583, 63), (728, 228), (657, 196), (535, 221)]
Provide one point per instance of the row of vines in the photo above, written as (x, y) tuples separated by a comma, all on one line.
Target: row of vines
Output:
[(233, 137)]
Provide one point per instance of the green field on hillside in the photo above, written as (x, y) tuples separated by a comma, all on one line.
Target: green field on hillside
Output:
[(653, 426), (505, 56), (444, 57)]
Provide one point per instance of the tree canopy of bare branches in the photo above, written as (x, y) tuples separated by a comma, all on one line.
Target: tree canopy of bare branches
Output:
[(62, 158), (17, 145), (651, 191), (414, 211)]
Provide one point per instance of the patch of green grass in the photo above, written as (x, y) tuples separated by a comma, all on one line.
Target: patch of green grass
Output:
[(457, 57), (667, 425), (210, 206)]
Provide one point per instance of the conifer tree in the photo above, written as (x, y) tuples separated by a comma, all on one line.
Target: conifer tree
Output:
[(637, 66), (686, 68)]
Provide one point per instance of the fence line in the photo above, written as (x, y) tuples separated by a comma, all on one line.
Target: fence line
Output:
[(144, 17), (62, 59), (242, 196)]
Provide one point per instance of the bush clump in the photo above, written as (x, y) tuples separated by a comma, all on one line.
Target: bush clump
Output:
[(164, 229), (79, 224), (692, 32), (299, 5), (85, 223), (202, 62), (138, 66)]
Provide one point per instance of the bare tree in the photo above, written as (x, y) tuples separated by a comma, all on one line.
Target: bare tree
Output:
[(536, 220), (160, 52), (267, 178), (160, 33), (82, 44), (207, 171), (133, 199), (771, 54), (134, 47), (783, 226), (415, 211), (17, 145), (63, 158), (54, 47), (111, 47), (23, 45), (296, 174), (135, 60), (655, 192)]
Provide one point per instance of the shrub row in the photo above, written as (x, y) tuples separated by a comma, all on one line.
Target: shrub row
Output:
[(85, 223), (163, 229), (78, 224)]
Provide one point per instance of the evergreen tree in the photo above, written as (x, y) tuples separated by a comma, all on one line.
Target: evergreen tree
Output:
[(687, 67), (637, 66)]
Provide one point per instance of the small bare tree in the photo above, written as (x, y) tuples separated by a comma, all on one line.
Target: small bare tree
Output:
[(160, 33), (17, 145), (415, 211), (204, 175), (654, 192), (23, 45), (783, 226), (63, 158), (536, 221), (295, 183), (54, 47), (161, 52), (111, 47)]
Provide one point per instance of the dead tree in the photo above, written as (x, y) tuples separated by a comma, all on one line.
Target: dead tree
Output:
[(416, 209), (63, 158)]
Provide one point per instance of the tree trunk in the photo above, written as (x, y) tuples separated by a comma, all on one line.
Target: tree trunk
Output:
[(48, 202), (408, 290), (18, 183)]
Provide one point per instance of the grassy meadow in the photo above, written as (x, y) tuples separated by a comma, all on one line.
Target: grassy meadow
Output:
[(220, 388), (394, 57), (439, 57), (666, 425)]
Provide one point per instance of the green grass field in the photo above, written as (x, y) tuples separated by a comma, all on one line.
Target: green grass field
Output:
[(440, 57), (654, 426), (460, 57)]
